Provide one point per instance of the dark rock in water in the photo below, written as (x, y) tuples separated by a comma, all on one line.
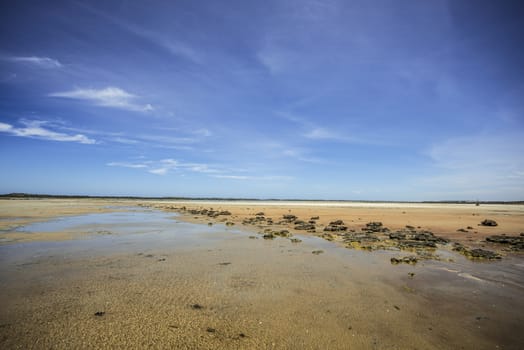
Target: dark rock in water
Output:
[(406, 259), (515, 243), (299, 222), (476, 253), (317, 252), (282, 233), (462, 230), (469, 228), (100, 313), (210, 330), (229, 223), (269, 235), (489, 222), (314, 218), (295, 240), (305, 226), (197, 307), (483, 254)]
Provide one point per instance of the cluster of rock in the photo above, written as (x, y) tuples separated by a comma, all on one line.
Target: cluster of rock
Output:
[(513, 243), (336, 226), (270, 234), (259, 219), (410, 259), (477, 253), (206, 212)]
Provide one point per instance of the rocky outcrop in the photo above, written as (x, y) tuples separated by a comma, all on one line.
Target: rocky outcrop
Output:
[(336, 226), (489, 222), (514, 243), (477, 253)]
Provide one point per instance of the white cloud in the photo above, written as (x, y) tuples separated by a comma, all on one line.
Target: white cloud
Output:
[(35, 129), (322, 134), (168, 165), (107, 97), (43, 62), (159, 171), (127, 165)]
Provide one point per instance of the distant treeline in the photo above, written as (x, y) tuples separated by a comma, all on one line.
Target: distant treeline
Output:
[(51, 196)]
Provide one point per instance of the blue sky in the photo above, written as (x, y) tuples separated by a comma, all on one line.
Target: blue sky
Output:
[(376, 100)]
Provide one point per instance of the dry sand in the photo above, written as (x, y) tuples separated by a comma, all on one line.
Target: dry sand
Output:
[(252, 293)]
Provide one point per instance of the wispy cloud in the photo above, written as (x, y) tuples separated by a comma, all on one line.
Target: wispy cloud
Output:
[(173, 46), (318, 133), (166, 166), (36, 129), (43, 62), (127, 165), (107, 97)]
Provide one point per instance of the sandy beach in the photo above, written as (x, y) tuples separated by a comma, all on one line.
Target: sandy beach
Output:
[(136, 274)]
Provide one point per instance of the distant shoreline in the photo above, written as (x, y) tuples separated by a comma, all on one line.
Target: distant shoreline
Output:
[(220, 199)]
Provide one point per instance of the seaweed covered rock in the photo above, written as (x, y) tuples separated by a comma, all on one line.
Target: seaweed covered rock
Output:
[(336, 226), (515, 243)]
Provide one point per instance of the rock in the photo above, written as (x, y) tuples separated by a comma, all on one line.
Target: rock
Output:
[(299, 222), (100, 313), (462, 230), (335, 228), (483, 254), (489, 222), (336, 222), (269, 236), (197, 307), (515, 243), (261, 213), (406, 259), (375, 226), (317, 252), (476, 253), (282, 233), (469, 228), (295, 240), (210, 330), (305, 226), (314, 218), (229, 223), (397, 235), (289, 217)]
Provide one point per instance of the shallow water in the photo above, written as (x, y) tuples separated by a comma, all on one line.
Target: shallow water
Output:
[(149, 272)]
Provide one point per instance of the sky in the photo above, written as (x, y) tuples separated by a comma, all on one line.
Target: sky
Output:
[(306, 99)]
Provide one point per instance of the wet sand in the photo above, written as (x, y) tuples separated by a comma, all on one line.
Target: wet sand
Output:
[(189, 286)]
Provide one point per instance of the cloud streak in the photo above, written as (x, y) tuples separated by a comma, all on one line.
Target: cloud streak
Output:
[(42, 62), (35, 129), (107, 97)]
